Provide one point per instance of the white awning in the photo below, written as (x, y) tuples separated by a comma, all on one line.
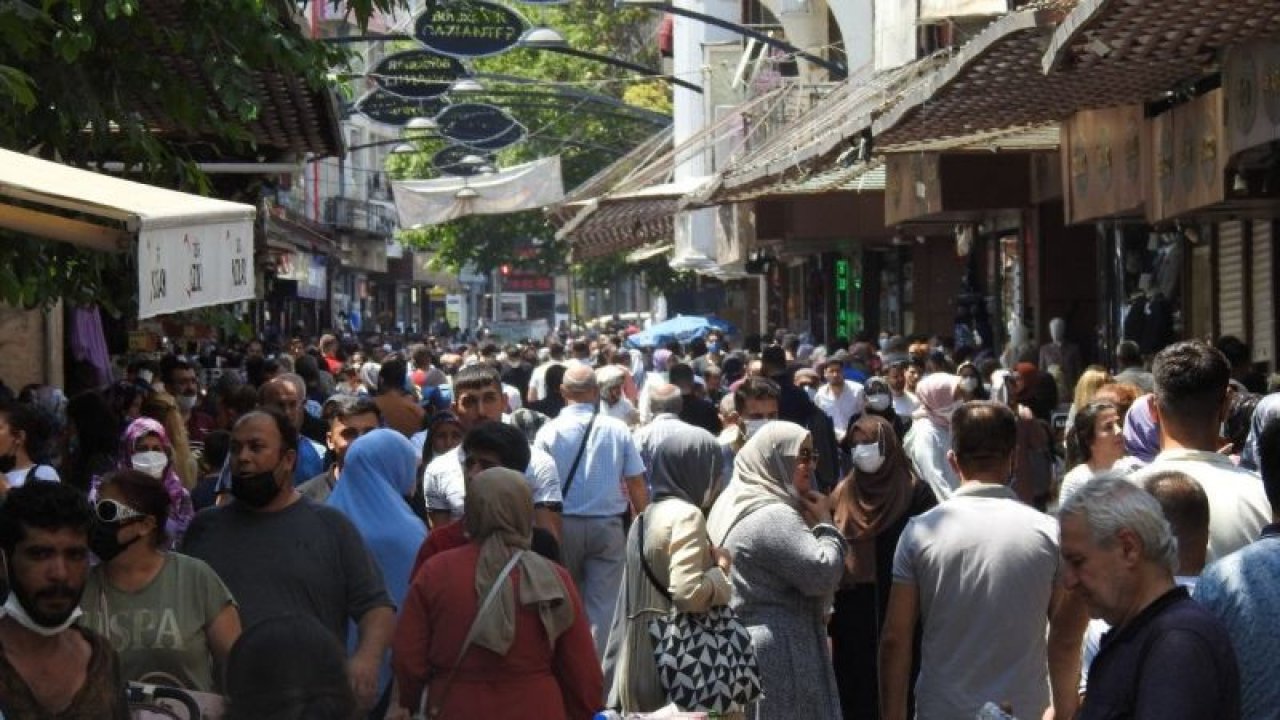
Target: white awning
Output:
[(522, 187), (193, 251)]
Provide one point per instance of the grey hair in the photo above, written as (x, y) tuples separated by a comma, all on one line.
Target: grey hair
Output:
[(579, 379), (296, 381), (665, 398), (1111, 502), (610, 377)]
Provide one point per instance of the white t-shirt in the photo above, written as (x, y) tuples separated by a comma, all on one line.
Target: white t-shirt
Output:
[(904, 405), (842, 407), (18, 478), (444, 486), (1075, 479)]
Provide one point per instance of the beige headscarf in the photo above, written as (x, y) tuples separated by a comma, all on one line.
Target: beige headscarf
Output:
[(762, 474), (499, 518)]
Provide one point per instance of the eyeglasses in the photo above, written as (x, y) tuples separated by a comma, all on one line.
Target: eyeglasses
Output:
[(110, 511), (807, 455)]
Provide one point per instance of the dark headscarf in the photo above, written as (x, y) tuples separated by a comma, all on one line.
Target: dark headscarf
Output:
[(867, 503), (687, 466)]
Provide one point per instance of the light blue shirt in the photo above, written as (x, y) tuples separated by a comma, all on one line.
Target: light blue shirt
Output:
[(598, 488)]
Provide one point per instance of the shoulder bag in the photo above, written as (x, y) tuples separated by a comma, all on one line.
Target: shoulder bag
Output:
[(706, 662), (577, 459), (430, 710)]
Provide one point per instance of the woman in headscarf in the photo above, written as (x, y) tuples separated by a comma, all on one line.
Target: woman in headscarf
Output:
[(880, 404), (377, 478), (929, 439), (532, 656), (145, 447), (369, 377), (871, 506), (684, 479), (788, 560), (1141, 436)]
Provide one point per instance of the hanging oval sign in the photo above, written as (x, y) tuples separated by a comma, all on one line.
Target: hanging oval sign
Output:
[(450, 161), (468, 28), (470, 123), (394, 110), (417, 73), (508, 137)]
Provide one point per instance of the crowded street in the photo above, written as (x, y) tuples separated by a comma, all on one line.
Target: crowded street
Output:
[(639, 359)]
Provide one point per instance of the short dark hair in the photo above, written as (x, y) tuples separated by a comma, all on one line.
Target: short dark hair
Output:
[(170, 367), (344, 407), (288, 433), (1128, 353), (755, 388), (288, 666), (774, 357), (505, 441), (392, 373), (1182, 500), (34, 423), (477, 376), (145, 494), (1269, 459), (241, 400), (1191, 381), (983, 435), (680, 374), (1234, 349), (43, 505)]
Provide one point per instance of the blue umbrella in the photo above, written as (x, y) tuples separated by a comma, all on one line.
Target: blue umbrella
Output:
[(682, 329)]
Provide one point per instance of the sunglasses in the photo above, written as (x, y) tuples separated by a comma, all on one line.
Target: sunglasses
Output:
[(110, 511)]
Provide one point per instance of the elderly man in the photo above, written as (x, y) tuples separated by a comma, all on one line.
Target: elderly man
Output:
[(285, 395), (1166, 656), (613, 403), (597, 460)]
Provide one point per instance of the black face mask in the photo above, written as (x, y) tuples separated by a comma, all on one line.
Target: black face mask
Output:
[(104, 540), (256, 490)]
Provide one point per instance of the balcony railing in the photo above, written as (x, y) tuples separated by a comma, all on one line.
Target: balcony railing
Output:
[(361, 216)]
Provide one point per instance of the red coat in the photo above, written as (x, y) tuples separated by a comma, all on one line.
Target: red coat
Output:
[(453, 535), (533, 681)]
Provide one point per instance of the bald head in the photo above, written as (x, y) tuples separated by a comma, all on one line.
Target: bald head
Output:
[(579, 385), (284, 394), (665, 398)]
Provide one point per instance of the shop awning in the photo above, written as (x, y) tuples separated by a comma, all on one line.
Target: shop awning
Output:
[(193, 251)]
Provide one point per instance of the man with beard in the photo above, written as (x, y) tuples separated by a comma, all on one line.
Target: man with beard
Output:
[(51, 667), (281, 553)]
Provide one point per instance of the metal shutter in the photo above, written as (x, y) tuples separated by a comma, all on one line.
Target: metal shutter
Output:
[(1264, 335), (1230, 279)]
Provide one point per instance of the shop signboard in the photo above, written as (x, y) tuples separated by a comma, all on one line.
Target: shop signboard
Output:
[(479, 126), (455, 310), (383, 107), (1105, 156), (1188, 172), (307, 270), (468, 28), (417, 73), (1251, 79), (195, 266), (449, 161)]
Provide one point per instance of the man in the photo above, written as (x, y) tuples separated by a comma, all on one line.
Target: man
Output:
[(979, 572), (348, 418), (794, 405), (1190, 405), (714, 390), (1165, 656), (399, 411), (537, 384), (842, 400), (285, 396), (755, 403), (329, 352), (611, 378), (1243, 591), (53, 667), (1129, 360), (478, 398), (185, 387), (581, 351), (896, 377), (280, 553), (695, 410), (602, 474)]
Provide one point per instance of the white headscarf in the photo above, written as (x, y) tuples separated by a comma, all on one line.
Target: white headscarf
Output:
[(762, 474)]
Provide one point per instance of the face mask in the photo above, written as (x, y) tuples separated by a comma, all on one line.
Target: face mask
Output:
[(104, 540), (884, 343), (256, 490), (713, 347), (13, 608), (969, 384), (811, 391), (186, 402), (753, 426), (868, 458), (151, 462)]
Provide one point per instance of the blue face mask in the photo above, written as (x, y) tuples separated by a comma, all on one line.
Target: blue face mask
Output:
[(713, 347)]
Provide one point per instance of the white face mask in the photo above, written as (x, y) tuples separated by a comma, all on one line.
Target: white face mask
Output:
[(811, 391), (151, 462), (12, 608), (969, 384), (878, 402), (751, 427), (186, 402), (868, 458)]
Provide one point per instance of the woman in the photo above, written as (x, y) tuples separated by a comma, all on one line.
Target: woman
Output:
[(24, 438), (1093, 378), (162, 408), (377, 478), (684, 480), (532, 656), (1094, 443), (444, 433), (880, 404), (871, 506), (929, 439), (289, 667), (789, 558), (145, 447), (1141, 436), (168, 616), (971, 381)]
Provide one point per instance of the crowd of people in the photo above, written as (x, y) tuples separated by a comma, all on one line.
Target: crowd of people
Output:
[(475, 530)]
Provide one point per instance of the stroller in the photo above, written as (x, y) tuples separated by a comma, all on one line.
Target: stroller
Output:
[(159, 702)]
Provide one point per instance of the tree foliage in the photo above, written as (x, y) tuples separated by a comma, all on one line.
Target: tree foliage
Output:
[(588, 133), (74, 75)]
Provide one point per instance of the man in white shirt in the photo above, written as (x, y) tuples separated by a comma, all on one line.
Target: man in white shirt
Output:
[(903, 403), (842, 400)]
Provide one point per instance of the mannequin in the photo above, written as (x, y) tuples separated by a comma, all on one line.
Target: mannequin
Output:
[(1063, 354), (1017, 348)]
